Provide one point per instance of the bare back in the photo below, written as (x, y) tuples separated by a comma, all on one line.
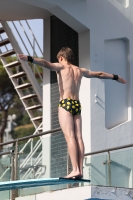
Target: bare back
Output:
[(69, 80)]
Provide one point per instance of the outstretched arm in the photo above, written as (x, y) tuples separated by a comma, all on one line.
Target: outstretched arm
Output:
[(102, 75), (41, 62)]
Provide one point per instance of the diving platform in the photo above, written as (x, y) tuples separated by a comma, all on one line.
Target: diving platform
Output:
[(12, 185)]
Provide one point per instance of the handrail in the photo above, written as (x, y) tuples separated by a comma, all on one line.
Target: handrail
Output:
[(108, 150), (15, 154), (59, 129), (30, 136), (20, 36), (7, 152), (32, 46), (26, 35), (34, 37)]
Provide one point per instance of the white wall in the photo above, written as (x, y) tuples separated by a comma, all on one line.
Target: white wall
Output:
[(116, 95), (125, 3), (106, 28), (46, 140), (84, 61), (82, 193)]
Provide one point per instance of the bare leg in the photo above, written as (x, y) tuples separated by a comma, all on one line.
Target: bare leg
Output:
[(80, 144), (67, 125)]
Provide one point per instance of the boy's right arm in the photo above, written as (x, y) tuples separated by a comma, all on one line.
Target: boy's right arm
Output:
[(41, 62)]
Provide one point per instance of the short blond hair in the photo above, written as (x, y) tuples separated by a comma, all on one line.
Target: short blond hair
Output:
[(66, 53)]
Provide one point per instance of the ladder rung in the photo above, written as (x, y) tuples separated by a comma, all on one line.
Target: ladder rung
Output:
[(8, 53), (40, 129), (30, 96), (37, 118), (22, 86), (18, 75), (2, 30), (4, 42), (12, 64), (34, 107)]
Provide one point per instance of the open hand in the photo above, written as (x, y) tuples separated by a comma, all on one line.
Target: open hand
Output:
[(22, 57), (121, 80)]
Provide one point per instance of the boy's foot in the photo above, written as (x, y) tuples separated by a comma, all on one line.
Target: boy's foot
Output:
[(78, 177), (74, 175)]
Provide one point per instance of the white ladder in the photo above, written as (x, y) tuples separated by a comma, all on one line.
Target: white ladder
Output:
[(22, 77), (29, 90)]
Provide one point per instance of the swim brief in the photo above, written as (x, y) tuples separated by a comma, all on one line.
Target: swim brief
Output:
[(70, 105)]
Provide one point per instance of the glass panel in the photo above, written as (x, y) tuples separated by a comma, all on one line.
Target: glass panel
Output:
[(96, 169), (37, 160), (30, 164), (115, 171), (121, 168), (35, 156), (5, 174)]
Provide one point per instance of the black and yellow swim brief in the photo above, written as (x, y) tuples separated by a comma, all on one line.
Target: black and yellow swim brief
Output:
[(70, 105)]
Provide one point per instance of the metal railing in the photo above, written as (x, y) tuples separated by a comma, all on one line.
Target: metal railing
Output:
[(15, 152), (32, 44), (29, 156)]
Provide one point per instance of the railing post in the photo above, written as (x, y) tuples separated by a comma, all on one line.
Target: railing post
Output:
[(16, 166), (31, 150), (34, 54), (12, 176), (109, 169)]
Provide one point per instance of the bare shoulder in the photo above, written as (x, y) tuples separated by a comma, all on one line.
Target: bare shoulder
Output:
[(86, 73), (58, 65)]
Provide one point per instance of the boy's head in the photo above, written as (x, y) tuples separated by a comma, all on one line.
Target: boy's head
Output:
[(67, 54)]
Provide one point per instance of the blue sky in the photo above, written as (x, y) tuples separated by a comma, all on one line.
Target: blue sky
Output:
[(37, 29)]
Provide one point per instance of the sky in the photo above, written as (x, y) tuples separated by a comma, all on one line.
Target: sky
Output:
[(37, 28)]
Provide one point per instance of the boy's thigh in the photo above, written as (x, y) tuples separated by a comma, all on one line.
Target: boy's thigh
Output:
[(66, 121)]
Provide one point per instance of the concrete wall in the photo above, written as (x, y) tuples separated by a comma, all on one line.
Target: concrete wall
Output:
[(84, 61), (82, 193), (46, 140), (106, 132)]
